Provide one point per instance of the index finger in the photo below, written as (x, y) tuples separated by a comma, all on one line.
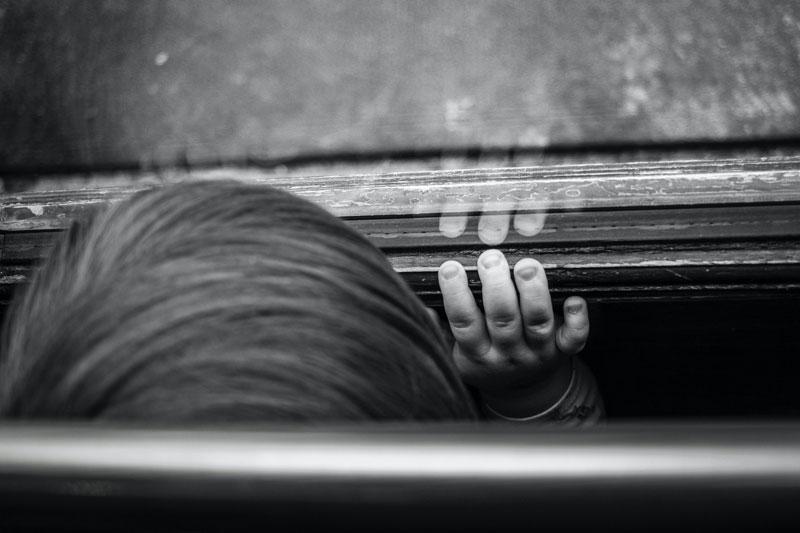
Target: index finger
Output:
[(466, 320)]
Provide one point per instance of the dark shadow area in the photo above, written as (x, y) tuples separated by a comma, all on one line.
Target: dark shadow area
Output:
[(695, 358), (701, 358)]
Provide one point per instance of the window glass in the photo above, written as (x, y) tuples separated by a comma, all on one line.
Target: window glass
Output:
[(646, 153)]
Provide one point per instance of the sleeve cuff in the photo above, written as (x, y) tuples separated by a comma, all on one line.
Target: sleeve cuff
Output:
[(580, 405)]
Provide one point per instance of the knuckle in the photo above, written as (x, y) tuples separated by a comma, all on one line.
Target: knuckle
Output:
[(503, 322), (540, 328), (461, 323), (578, 331), (538, 305), (570, 342)]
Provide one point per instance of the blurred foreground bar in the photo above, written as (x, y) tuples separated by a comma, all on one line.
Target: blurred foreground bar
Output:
[(400, 477)]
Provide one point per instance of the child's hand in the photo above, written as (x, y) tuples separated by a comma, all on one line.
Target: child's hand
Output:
[(519, 354)]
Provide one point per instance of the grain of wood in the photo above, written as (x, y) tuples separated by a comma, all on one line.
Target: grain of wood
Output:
[(694, 227), (562, 188)]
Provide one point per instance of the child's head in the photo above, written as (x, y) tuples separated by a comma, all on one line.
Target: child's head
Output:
[(220, 301)]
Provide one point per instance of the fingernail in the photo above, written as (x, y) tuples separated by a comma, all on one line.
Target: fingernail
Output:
[(491, 260), (574, 309), (527, 273), (449, 271)]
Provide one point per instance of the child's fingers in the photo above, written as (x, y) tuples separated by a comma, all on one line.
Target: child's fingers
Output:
[(493, 229), (531, 215), (453, 219), (453, 226), (529, 224), (466, 320), (500, 303), (534, 302), (572, 335)]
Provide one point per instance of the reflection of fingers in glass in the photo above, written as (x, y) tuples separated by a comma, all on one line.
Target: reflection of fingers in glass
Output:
[(529, 224), (453, 226), (454, 217), (495, 221), (530, 217), (493, 229)]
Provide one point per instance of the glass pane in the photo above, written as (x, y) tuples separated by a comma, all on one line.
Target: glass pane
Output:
[(646, 153)]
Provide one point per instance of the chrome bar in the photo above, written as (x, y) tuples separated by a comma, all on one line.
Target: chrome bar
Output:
[(714, 475)]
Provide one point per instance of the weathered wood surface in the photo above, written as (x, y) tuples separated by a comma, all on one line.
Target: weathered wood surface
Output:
[(616, 275), (561, 230), (636, 230), (148, 82), (555, 188)]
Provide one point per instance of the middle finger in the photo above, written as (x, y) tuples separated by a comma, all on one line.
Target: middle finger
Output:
[(500, 303)]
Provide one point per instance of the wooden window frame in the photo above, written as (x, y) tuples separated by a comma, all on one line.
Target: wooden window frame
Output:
[(640, 231)]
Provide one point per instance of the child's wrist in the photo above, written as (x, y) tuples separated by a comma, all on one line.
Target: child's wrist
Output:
[(534, 400)]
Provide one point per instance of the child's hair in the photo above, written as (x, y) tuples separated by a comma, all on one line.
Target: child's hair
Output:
[(221, 301)]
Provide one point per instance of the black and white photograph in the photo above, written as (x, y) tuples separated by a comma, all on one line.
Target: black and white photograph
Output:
[(399, 265)]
